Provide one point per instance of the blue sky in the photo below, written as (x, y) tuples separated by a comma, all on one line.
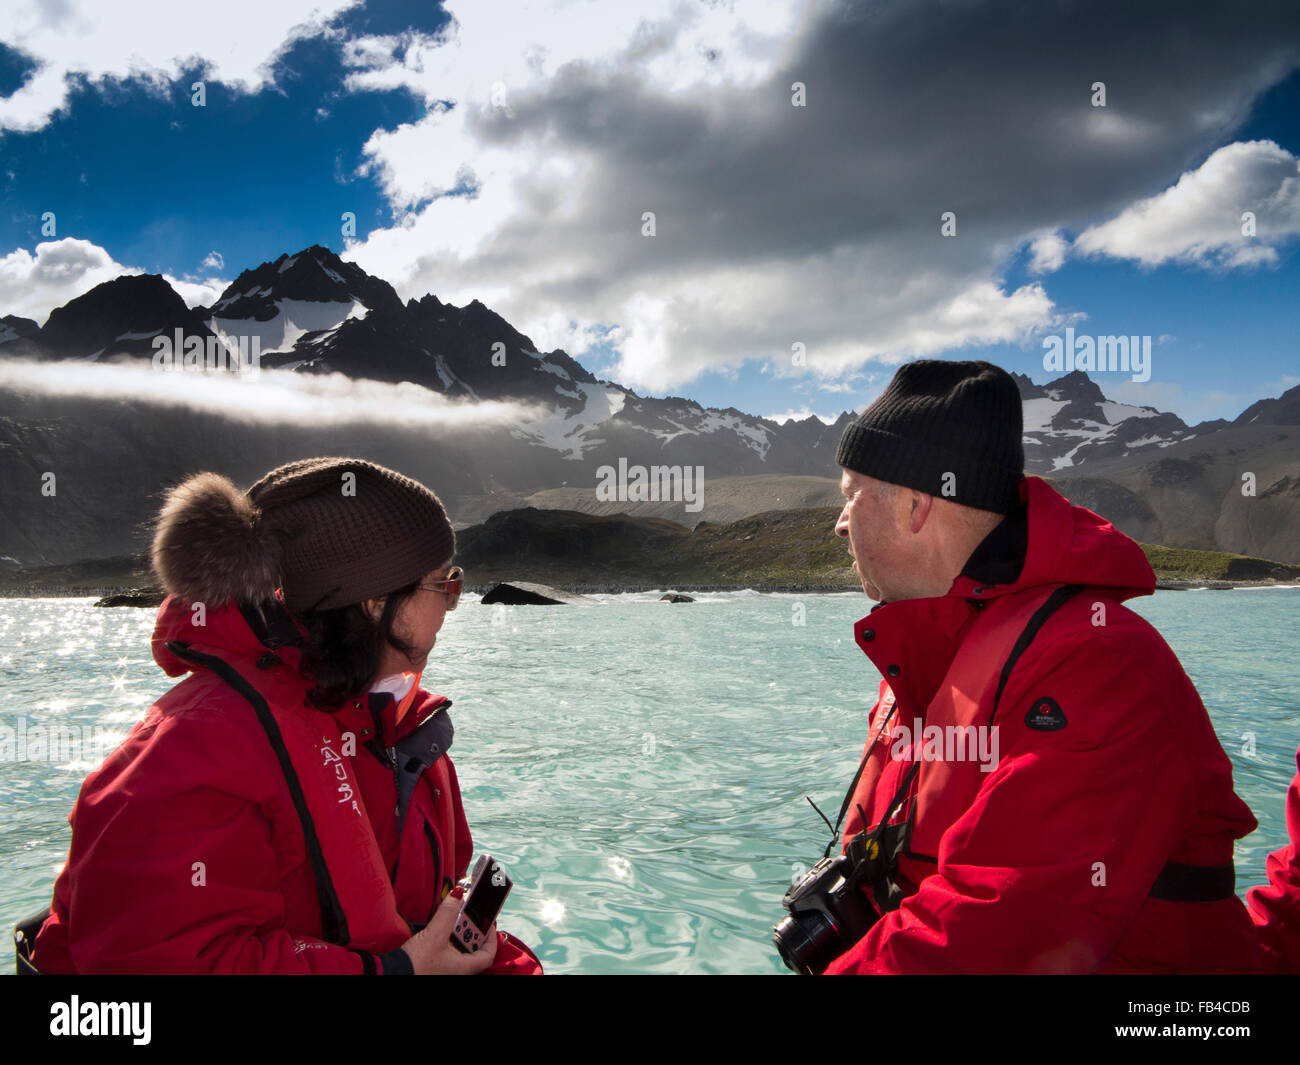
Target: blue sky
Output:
[(509, 156)]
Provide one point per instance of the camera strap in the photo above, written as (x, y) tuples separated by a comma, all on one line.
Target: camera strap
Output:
[(848, 797), (874, 854)]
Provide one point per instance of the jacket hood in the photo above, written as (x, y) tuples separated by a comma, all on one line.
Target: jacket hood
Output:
[(913, 641), (1068, 544), (221, 631), (228, 632)]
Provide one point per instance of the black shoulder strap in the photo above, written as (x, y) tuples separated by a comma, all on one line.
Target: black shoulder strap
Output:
[(334, 923), (1036, 622), (1177, 882), (1050, 605), (853, 786)]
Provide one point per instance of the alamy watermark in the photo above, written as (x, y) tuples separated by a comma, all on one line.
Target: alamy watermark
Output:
[(23, 741), (78, 1018), (950, 743), (1102, 354), (653, 484), (235, 354)]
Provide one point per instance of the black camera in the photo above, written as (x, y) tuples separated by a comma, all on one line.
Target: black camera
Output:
[(828, 914)]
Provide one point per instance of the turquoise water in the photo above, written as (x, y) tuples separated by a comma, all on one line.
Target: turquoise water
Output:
[(640, 767)]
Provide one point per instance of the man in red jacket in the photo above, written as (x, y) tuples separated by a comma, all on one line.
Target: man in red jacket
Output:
[(1041, 790)]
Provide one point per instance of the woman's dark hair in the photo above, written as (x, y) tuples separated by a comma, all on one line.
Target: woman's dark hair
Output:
[(345, 646)]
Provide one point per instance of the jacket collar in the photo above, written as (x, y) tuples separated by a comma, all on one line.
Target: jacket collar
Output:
[(1045, 542), (271, 637)]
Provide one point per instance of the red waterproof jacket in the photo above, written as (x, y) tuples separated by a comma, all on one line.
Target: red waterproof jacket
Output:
[(205, 845), (1275, 908), (1103, 798)]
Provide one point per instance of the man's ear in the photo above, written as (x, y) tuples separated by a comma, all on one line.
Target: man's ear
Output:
[(374, 607), (922, 507)]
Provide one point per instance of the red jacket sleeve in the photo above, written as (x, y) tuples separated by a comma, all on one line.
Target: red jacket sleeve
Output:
[(173, 863), (1275, 909), (1053, 859), (188, 887)]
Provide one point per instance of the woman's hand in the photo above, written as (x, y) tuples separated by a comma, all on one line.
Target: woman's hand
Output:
[(431, 950)]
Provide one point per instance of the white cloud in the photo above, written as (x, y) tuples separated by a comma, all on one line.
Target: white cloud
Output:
[(213, 261), (60, 270), (1199, 219), (558, 123), (540, 242), (277, 397), (800, 415), (151, 40), (32, 285), (196, 292), (1048, 253)]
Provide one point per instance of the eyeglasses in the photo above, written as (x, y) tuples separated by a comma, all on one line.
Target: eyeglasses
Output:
[(450, 587)]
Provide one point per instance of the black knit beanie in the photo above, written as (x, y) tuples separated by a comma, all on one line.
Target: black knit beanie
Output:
[(951, 429), (329, 531)]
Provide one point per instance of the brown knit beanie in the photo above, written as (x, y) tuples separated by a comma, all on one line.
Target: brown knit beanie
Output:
[(329, 531)]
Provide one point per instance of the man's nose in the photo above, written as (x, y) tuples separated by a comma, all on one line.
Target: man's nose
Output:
[(842, 524)]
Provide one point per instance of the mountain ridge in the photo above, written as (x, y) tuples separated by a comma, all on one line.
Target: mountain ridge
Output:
[(313, 313)]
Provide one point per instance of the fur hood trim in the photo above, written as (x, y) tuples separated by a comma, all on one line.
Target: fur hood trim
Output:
[(210, 545)]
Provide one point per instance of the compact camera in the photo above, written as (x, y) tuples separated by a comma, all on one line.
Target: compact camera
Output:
[(488, 887)]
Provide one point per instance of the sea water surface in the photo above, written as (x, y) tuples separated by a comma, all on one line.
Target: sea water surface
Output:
[(640, 767)]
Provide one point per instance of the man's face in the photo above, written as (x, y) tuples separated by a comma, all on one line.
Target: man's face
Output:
[(869, 523)]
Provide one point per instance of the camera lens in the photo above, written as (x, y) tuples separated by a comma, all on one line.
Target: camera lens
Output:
[(808, 943)]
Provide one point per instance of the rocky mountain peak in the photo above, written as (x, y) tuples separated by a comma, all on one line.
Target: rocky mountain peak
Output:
[(116, 317), (13, 327), (313, 275), (311, 312), (1028, 390), (1075, 387), (1283, 410)]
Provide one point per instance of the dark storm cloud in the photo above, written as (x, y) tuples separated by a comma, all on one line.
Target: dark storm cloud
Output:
[(822, 222)]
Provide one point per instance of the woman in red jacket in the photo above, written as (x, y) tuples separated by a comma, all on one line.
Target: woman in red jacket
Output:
[(290, 806)]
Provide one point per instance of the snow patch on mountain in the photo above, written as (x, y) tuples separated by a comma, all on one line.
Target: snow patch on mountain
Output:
[(665, 435), (752, 436), (333, 275), (292, 321), (448, 377), (1057, 443), (1038, 414), (568, 431), (543, 363), (1117, 412)]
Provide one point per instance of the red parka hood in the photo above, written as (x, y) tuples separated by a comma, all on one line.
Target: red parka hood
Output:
[(912, 641), (222, 632), (1070, 545), (227, 634)]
